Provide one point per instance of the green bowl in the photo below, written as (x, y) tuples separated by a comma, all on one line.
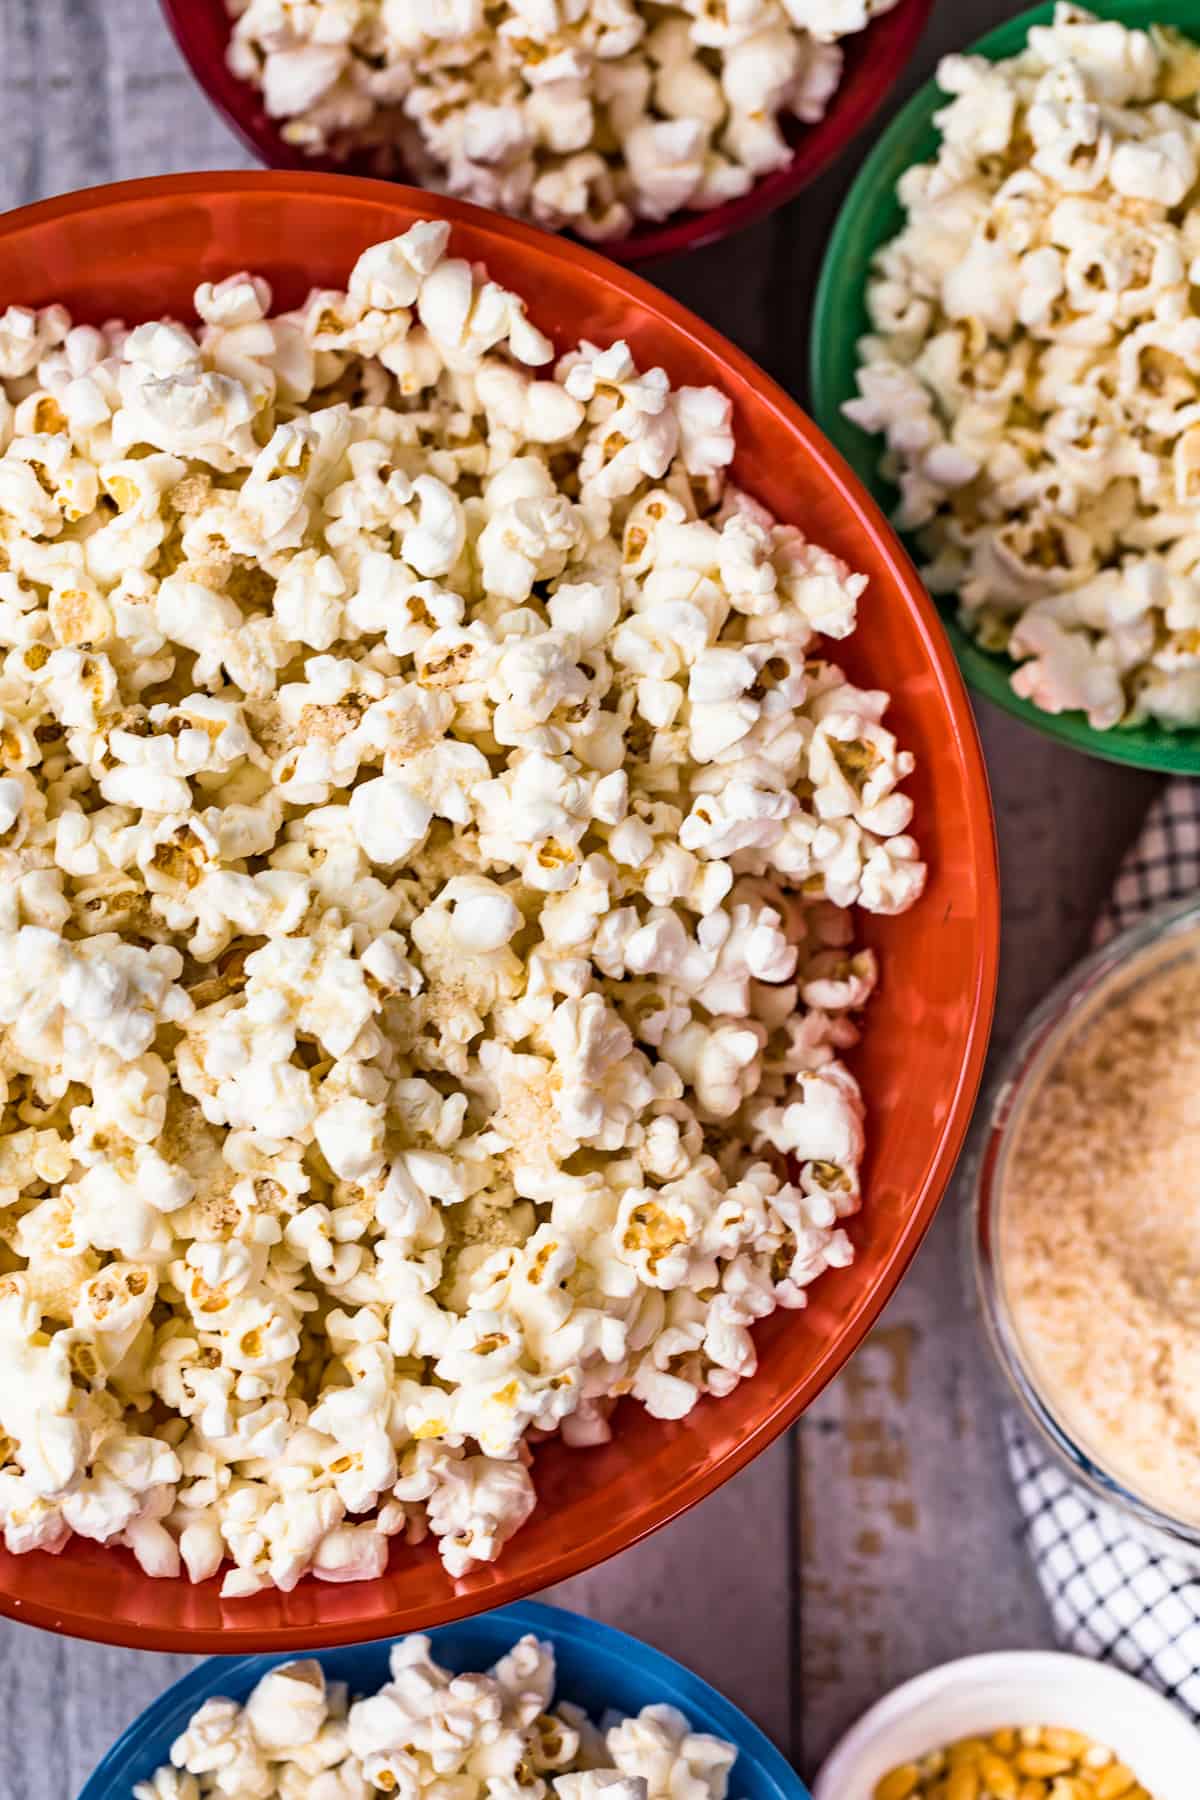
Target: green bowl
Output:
[(870, 217)]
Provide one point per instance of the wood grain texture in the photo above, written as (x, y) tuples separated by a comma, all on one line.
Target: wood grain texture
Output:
[(882, 1537), (95, 90), (715, 1590)]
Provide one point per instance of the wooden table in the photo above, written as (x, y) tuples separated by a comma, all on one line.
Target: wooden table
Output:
[(881, 1536)]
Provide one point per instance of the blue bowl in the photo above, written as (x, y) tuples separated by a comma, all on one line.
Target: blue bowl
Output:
[(599, 1668)]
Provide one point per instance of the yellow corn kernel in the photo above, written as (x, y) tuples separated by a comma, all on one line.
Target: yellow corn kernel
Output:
[(899, 1784), (1046, 1762), (999, 1776), (966, 1753), (963, 1782), (1114, 1782), (1070, 1743)]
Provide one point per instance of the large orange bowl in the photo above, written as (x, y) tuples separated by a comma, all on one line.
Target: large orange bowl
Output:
[(137, 250), (874, 60)]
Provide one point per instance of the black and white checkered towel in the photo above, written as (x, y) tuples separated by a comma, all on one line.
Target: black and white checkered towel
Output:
[(1110, 1594)]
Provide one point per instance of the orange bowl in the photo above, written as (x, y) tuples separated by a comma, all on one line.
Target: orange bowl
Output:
[(874, 60), (137, 250)]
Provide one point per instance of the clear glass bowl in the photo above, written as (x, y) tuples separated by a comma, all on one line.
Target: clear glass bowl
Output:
[(1168, 937)]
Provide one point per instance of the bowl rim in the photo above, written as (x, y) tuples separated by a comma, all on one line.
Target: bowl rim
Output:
[(895, 35), (961, 732), (1145, 746), (1046, 1032), (991, 1669), (559, 1624)]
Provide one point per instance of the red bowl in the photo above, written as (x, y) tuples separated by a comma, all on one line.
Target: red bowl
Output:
[(137, 250), (874, 60)]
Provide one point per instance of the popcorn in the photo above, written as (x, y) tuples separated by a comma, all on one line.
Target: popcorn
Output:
[(1031, 367), (482, 1733), (431, 782), (288, 1708), (588, 118), (388, 819)]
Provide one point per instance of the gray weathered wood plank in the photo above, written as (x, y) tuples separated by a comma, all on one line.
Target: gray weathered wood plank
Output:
[(95, 90), (714, 1589)]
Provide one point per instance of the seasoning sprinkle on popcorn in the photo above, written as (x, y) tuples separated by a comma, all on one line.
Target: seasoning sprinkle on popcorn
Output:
[(589, 114), (429, 1731), (427, 834), (1027, 1762), (1034, 359)]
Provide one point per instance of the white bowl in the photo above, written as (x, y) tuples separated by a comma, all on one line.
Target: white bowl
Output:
[(1019, 1687)]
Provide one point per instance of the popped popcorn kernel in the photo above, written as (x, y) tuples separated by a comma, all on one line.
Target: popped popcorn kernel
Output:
[(1032, 365), (499, 1731), (426, 840), (586, 117)]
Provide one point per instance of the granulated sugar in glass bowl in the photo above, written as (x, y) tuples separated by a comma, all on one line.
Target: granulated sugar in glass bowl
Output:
[(1086, 1249)]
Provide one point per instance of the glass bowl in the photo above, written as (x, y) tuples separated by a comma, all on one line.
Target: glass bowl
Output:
[(870, 217), (1167, 938), (598, 1668), (874, 61), (138, 249)]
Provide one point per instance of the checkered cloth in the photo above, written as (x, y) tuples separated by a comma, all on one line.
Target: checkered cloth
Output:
[(1111, 1595)]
